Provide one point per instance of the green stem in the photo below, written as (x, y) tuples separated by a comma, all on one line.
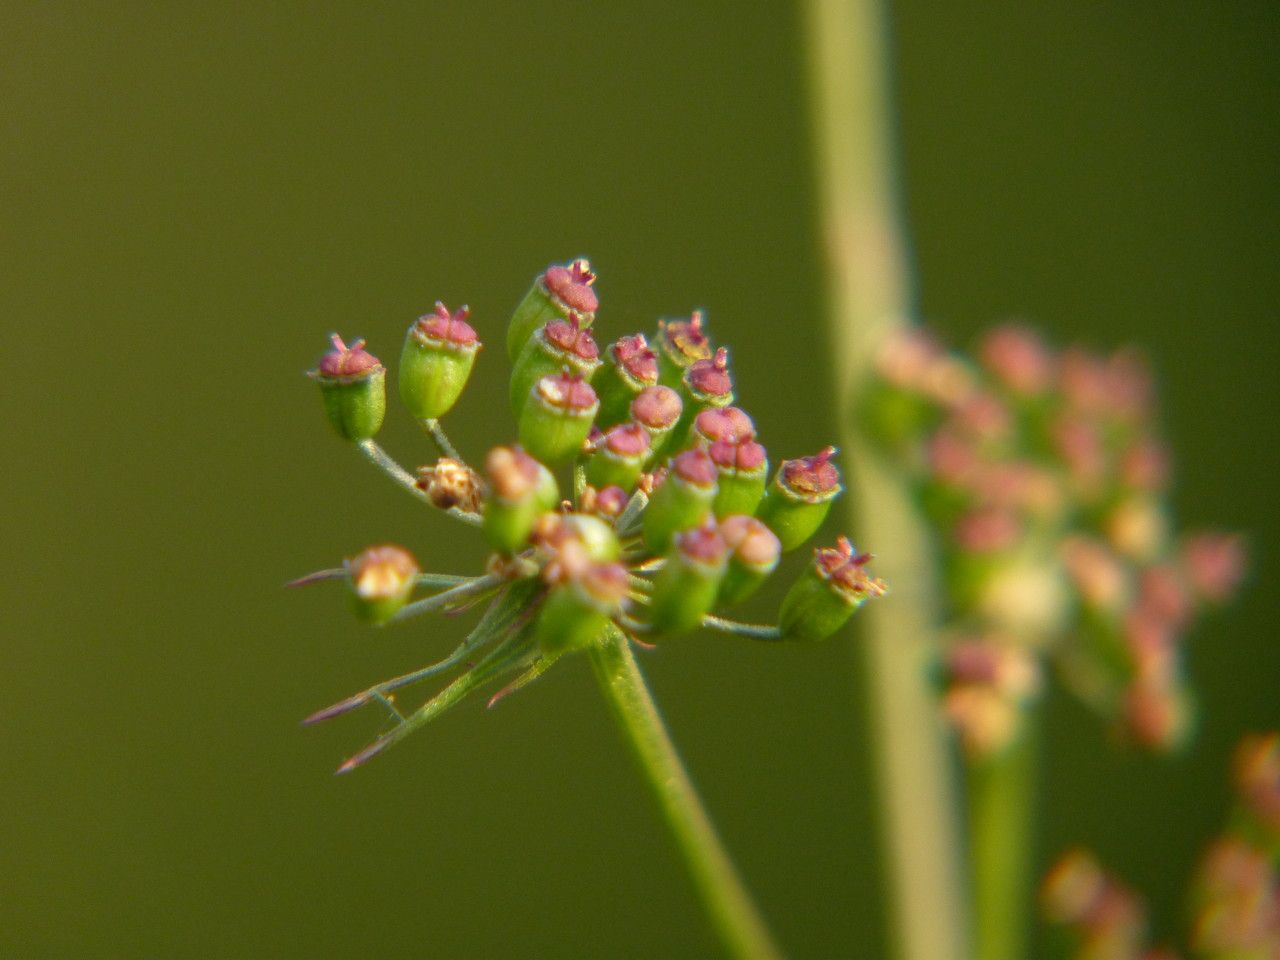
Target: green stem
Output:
[(446, 598), (756, 631), (441, 439), (723, 894), (1001, 791), (869, 298)]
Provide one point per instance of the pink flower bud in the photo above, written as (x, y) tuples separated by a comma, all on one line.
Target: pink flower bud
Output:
[(1018, 358), (347, 361), (571, 285), (728, 424)]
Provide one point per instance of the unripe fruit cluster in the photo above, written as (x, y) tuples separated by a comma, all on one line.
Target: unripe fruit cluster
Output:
[(633, 489), (1047, 478)]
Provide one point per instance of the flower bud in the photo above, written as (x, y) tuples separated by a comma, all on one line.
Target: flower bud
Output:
[(607, 503), (515, 497), (382, 579), (435, 363), (742, 473), (753, 555), (629, 366), (723, 423), (577, 610), (571, 543), (619, 457), (559, 345), (827, 593), (686, 588), (353, 385), (682, 501), (596, 536), (705, 384), (657, 409), (1157, 714), (557, 417), (799, 498), (553, 295), (1257, 780), (680, 343)]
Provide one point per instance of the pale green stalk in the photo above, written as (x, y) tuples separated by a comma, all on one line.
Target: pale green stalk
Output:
[(726, 899), (1000, 800), (869, 298)]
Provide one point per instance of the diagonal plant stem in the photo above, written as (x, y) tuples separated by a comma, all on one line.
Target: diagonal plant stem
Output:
[(726, 899), (869, 297)]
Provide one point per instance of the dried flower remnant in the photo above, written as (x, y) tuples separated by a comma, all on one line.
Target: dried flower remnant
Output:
[(1047, 478), (659, 518)]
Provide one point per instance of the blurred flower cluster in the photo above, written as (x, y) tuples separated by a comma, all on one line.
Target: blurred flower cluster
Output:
[(1235, 895), (632, 498), (1047, 478)]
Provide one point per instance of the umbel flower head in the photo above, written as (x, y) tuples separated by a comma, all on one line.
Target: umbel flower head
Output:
[(1047, 479), (628, 497)]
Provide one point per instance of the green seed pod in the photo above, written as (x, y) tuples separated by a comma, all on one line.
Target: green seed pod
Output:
[(657, 409), (559, 345), (553, 294), (629, 366), (381, 581), (743, 472), (827, 593), (753, 555), (683, 500), (705, 384), (557, 418), (439, 352), (722, 423), (353, 385), (577, 610), (515, 499), (686, 588), (680, 343), (799, 497), (619, 457)]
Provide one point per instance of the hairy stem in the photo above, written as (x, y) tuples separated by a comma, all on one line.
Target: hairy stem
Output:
[(730, 907), (1001, 791), (868, 298)]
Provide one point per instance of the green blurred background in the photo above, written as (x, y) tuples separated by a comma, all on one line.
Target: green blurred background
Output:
[(193, 196)]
